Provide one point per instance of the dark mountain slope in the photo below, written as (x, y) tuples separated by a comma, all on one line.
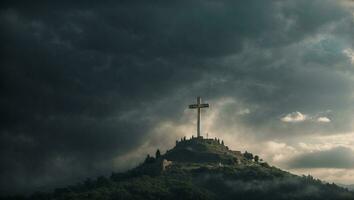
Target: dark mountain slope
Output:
[(201, 169)]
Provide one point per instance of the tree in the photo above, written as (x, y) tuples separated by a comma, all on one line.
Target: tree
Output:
[(256, 158), (222, 142), (89, 183), (102, 181), (157, 154), (248, 156), (149, 159)]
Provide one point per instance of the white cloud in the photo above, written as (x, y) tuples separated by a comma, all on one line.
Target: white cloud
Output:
[(323, 119), (299, 117), (278, 152), (350, 54), (244, 111), (333, 140), (294, 117)]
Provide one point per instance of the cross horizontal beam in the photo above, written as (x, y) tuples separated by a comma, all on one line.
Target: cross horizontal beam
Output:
[(203, 105)]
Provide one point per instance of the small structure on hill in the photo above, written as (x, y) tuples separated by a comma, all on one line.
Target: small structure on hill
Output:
[(165, 163)]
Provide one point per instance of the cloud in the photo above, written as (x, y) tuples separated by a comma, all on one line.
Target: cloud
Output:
[(87, 86), (338, 157), (350, 54), (294, 117), (323, 119), (299, 117)]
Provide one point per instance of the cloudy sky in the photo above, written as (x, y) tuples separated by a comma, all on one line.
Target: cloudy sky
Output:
[(89, 88)]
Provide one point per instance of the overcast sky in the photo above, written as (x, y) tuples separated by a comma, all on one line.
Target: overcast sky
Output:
[(90, 88)]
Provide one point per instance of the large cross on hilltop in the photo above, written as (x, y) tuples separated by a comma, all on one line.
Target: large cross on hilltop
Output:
[(198, 106)]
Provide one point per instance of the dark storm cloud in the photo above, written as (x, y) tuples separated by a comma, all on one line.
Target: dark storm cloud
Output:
[(339, 157), (84, 82)]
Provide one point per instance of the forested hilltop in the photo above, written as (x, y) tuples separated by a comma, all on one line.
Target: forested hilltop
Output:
[(200, 168)]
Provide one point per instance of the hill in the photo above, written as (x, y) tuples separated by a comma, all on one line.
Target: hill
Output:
[(349, 187), (200, 169)]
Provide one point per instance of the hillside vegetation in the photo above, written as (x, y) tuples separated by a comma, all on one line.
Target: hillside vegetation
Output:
[(200, 169)]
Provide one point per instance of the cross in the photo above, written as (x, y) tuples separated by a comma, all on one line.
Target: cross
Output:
[(198, 106)]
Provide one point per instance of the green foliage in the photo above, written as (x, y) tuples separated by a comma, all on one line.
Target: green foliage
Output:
[(157, 154), (149, 159), (256, 158), (210, 172), (248, 156)]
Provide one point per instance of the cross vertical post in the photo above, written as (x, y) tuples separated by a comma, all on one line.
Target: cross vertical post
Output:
[(198, 123), (198, 106)]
